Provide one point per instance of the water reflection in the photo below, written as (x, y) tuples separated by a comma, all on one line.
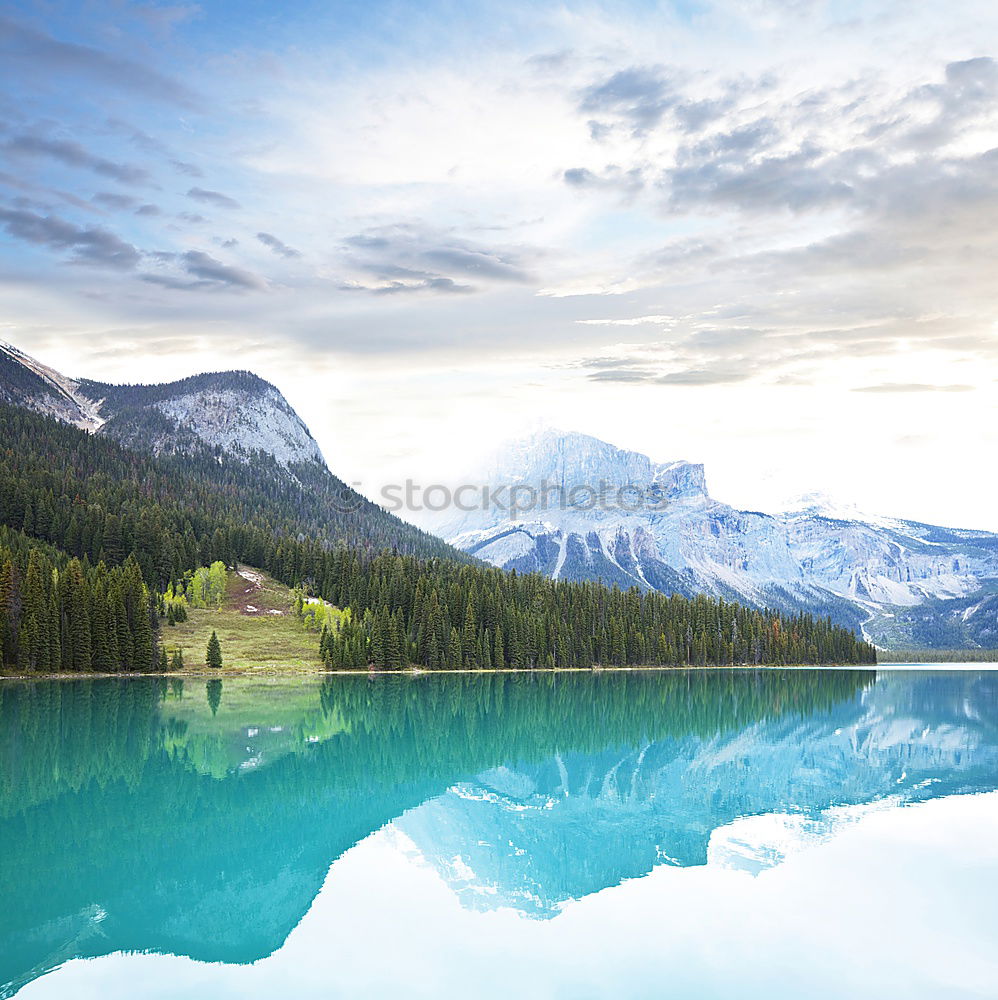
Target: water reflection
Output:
[(135, 818)]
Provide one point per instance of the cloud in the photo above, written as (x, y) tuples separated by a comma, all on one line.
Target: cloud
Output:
[(625, 375), (968, 89), (148, 210), (413, 257), (207, 268), (206, 273), (212, 198), (639, 95), (142, 140), (703, 376), (278, 246), (612, 177), (89, 245), (190, 169), (444, 285), (39, 52), (912, 387), (796, 180), (643, 98), (114, 201), (72, 154)]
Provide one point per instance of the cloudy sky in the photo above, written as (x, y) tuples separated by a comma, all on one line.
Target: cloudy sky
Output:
[(761, 234)]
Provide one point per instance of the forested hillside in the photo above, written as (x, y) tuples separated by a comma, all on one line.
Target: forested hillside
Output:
[(97, 530), (441, 614), (92, 496)]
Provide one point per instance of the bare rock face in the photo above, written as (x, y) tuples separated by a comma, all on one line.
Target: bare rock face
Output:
[(903, 583), (28, 383), (236, 412)]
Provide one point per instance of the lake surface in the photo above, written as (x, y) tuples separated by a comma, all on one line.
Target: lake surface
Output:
[(683, 834)]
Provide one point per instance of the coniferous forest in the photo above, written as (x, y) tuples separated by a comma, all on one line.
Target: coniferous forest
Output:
[(94, 532)]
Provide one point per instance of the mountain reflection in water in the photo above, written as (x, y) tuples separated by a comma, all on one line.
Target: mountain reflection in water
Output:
[(134, 816)]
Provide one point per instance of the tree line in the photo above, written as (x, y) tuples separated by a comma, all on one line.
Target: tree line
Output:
[(109, 519), (59, 614), (443, 615)]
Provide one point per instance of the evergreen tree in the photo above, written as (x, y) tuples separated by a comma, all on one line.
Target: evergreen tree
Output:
[(213, 655)]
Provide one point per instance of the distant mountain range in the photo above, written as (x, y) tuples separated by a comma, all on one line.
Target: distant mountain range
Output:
[(903, 583)]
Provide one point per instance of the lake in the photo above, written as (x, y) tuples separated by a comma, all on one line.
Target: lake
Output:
[(712, 833)]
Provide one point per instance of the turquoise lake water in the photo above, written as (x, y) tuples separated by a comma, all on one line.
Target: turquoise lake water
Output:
[(777, 834)]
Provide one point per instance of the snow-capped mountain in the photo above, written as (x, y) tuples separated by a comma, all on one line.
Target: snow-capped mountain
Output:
[(235, 411), (604, 513), (534, 836)]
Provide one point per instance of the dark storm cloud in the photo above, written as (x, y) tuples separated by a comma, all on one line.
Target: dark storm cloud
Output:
[(38, 52), (72, 154), (90, 245), (212, 198), (278, 246)]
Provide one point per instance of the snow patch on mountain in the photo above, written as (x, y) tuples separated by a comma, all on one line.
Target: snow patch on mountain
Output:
[(819, 555), (238, 421), (54, 395), (235, 411)]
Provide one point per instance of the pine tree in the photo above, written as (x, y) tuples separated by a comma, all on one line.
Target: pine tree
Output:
[(213, 655)]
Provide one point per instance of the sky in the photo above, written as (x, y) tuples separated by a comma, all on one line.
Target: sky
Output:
[(760, 235)]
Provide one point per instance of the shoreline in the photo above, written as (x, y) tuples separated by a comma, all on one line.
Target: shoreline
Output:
[(262, 674)]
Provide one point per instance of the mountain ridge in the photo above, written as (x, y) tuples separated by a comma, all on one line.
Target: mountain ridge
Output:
[(901, 582), (235, 410)]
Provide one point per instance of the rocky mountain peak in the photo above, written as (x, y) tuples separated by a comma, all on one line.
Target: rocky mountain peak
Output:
[(236, 411)]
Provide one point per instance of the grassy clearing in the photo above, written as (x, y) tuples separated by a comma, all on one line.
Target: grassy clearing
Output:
[(256, 627)]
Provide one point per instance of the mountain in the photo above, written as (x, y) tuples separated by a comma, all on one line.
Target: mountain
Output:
[(235, 411), (532, 836), (223, 449), (904, 583)]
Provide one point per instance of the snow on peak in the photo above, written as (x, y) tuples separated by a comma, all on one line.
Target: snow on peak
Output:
[(570, 458), (818, 503), (236, 411)]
